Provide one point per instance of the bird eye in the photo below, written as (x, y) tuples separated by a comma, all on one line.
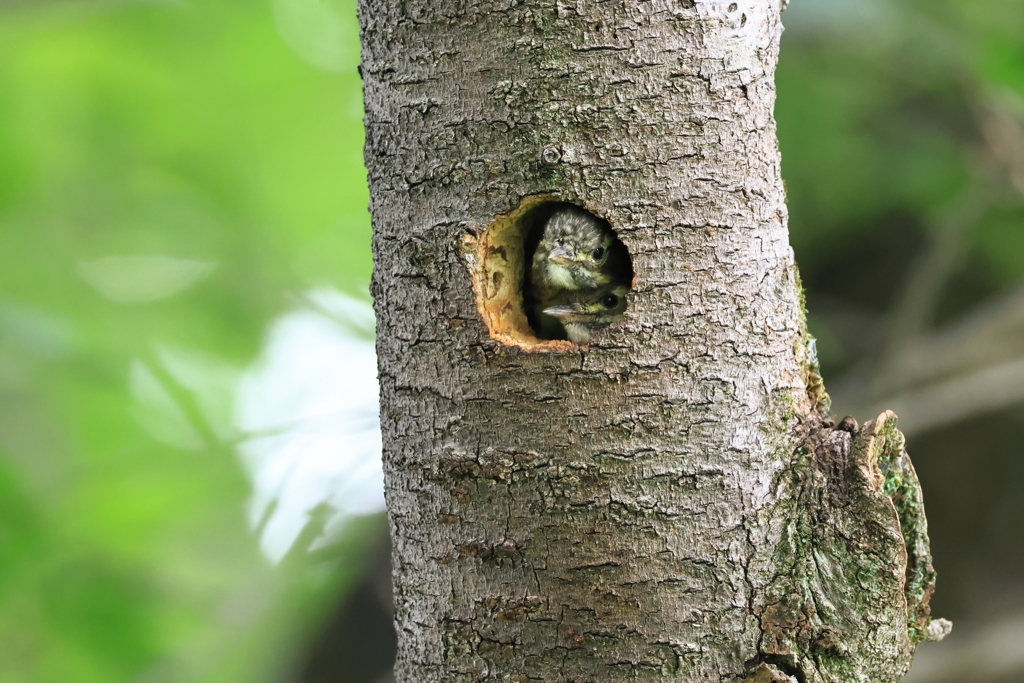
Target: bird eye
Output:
[(610, 301), (598, 253)]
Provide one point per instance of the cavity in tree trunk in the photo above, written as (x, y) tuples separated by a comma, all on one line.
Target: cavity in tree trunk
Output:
[(669, 502)]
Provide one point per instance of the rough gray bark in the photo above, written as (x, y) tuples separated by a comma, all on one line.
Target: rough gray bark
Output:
[(667, 503)]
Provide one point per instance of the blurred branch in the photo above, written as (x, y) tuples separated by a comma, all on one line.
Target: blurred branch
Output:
[(977, 363), (987, 389), (992, 333), (916, 306), (972, 366), (1000, 119), (185, 399)]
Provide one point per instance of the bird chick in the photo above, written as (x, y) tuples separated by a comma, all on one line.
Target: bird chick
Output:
[(585, 311), (576, 251)]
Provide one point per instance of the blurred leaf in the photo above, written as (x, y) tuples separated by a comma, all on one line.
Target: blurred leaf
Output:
[(143, 278)]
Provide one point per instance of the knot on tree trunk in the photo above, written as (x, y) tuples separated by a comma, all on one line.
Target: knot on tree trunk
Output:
[(850, 600)]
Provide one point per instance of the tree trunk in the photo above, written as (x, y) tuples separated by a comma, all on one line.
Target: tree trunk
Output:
[(669, 502)]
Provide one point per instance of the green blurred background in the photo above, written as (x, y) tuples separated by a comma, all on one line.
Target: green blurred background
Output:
[(177, 178)]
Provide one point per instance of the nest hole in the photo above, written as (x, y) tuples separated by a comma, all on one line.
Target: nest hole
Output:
[(500, 262)]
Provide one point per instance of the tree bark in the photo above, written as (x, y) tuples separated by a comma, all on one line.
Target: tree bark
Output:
[(669, 502)]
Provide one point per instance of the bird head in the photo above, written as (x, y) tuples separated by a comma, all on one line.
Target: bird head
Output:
[(590, 310), (574, 249)]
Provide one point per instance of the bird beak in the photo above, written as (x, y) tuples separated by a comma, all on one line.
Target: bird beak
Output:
[(567, 314), (560, 255)]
